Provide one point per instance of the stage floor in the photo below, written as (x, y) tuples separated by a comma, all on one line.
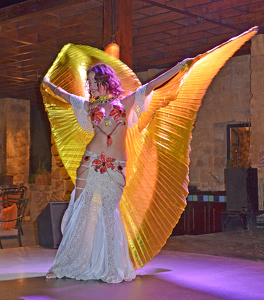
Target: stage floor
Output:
[(170, 275)]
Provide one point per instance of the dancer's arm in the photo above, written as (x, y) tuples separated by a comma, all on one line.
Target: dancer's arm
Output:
[(65, 95), (57, 90), (153, 84)]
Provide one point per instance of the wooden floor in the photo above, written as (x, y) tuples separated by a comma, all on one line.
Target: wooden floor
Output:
[(172, 274)]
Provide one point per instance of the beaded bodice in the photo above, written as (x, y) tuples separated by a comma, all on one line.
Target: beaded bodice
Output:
[(117, 114), (116, 118)]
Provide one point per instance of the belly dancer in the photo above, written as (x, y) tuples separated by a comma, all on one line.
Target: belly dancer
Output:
[(94, 244)]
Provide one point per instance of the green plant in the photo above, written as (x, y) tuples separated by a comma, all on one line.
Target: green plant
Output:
[(228, 164), (42, 170), (32, 178)]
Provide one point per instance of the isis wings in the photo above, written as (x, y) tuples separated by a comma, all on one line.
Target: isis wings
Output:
[(158, 146)]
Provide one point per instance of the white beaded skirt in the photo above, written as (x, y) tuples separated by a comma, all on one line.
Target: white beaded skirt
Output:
[(94, 244)]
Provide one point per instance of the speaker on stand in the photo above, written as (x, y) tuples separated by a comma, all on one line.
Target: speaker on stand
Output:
[(241, 199), (49, 223)]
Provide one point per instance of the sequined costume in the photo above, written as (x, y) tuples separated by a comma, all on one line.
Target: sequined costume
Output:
[(158, 140), (117, 115), (94, 244)]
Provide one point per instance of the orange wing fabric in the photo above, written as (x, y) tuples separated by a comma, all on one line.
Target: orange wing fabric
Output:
[(158, 146)]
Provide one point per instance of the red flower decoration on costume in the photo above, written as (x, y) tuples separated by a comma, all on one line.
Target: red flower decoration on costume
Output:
[(120, 168), (103, 163), (97, 115), (117, 113)]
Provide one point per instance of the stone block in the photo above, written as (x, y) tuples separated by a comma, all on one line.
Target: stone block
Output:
[(54, 150), (58, 184), (199, 153), (56, 174), (58, 161), (203, 133), (66, 197), (53, 162), (42, 179), (21, 142), (256, 102), (220, 147), (47, 188), (219, 162), (257, 63), (257, 45), (257, 83), (194, 176), (69, 186), (219, 113), (33, 187), (17, 179), (204, 175), (64, 173), (199, 163), (57, 195)]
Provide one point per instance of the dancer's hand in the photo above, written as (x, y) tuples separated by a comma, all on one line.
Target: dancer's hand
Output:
[(186, 63), (46, 80), (57, 90)]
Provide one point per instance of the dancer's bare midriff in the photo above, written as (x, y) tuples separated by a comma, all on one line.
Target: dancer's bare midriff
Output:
[(118, 148)]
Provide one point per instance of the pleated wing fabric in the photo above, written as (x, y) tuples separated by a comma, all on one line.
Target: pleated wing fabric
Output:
[(158, 146), (69, 72), (157, 187)]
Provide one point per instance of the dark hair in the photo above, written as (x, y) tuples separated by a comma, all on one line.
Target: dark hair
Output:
[(105, 76)]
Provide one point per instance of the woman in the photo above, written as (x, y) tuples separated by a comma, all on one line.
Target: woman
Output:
[(94, 244)]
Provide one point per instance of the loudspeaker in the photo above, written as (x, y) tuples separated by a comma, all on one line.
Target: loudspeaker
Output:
[(231, 221), (48, 224), (241, 189)]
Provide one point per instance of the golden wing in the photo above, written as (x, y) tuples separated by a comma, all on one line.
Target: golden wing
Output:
[(158, 154), (158, 147), (69, 72)]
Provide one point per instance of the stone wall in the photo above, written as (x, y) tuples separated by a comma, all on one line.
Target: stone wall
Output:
[(2, 139), (257, 110), (15, 139), (15, 155), (59, 189), (227, 101)]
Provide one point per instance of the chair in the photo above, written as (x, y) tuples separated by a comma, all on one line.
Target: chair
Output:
[(13, 192), (18, 192), (14, 233)]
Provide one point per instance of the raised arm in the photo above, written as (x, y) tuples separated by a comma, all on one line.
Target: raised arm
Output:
[(57, 90), (153, 84)]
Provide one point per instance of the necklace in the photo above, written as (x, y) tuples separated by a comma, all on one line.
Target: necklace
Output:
[(102, 99)]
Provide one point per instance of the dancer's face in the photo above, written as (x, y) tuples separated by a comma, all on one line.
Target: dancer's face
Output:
[(96, 91)]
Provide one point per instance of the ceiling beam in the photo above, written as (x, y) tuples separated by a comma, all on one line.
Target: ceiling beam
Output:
[(189, 14)]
